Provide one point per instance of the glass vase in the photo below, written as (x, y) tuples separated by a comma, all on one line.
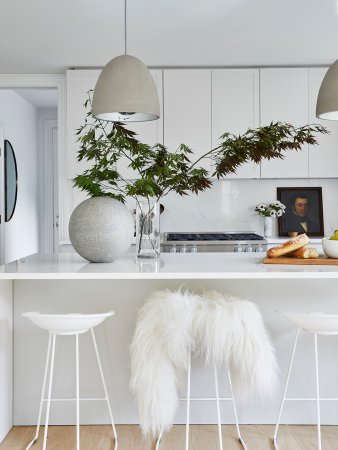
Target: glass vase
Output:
[(147, 229), (267, 226)]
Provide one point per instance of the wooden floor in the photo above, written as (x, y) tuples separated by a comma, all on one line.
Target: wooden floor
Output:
[(202, 437)]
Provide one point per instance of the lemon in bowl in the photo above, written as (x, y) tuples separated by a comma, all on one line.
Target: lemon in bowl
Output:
[(330, 247)]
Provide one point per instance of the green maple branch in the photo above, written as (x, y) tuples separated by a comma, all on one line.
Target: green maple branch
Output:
[(159, 171)]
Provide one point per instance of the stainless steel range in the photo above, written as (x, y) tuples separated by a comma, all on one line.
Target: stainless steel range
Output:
[(213, 242)]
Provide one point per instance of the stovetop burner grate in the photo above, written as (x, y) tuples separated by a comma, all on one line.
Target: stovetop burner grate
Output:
[(213, 237)]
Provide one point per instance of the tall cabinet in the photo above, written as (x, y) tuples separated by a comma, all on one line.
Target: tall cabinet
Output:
[(187, 110), (323, 158), (235, 108), (284, 98)]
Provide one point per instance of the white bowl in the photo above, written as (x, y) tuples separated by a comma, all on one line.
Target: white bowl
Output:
[(330, 247)]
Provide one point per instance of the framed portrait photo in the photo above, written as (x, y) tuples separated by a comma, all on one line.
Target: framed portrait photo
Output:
[(303, 213)]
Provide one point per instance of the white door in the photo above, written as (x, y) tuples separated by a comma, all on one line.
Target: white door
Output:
[(2, 197)]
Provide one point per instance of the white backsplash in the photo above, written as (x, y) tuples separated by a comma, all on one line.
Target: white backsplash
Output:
[(229, 205)]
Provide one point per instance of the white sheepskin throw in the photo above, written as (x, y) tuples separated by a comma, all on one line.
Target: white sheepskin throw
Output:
[(160, 347), (230, 332), (225, 331)]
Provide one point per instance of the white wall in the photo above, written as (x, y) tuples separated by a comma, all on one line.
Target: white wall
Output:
[(20, 128), (6, 357)]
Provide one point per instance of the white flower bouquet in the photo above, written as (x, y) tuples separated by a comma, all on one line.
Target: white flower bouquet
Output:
[(275, 209)]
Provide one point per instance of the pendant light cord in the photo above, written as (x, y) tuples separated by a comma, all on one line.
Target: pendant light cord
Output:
[(125, 27)]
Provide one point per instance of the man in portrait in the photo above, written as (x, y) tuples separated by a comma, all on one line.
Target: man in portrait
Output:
[(297, 215)]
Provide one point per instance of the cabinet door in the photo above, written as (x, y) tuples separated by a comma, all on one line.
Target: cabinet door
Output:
[(235, 108), (187, 111), (79, 82), (323, 158), (284, 98)]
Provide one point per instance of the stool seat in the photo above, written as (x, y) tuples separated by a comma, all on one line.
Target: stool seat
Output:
[(314, 322), (71, 325), (67, 324)]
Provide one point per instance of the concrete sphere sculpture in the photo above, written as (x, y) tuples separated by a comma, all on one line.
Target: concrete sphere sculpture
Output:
[(101, 229)]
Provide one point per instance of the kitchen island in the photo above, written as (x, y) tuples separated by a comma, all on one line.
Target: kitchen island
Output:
[(67, 283), (170, 266)]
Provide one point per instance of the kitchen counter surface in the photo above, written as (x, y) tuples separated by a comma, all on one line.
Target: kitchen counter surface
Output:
[(168, 266)]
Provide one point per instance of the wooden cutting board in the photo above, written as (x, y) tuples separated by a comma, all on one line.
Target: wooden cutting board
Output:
[(321, 261)]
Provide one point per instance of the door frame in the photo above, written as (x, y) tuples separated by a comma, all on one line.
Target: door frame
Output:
[(15, 81), (2, 194), (48, 185)]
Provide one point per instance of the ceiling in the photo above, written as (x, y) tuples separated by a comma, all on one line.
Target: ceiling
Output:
[(46, 36)]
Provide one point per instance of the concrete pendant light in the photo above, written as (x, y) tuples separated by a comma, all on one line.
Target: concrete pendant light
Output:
[(125, 90), (327, 101)]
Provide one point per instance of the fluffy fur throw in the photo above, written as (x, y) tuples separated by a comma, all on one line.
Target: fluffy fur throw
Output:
[(224, 330)]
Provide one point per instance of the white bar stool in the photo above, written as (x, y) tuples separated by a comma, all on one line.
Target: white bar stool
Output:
[(217, 399), (317, 324), (67, 324)]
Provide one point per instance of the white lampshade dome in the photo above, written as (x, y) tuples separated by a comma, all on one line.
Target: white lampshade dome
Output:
[(327, 101), (125, 92)]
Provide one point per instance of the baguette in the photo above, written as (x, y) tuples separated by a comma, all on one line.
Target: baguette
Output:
[(304, 252), (289, 246)]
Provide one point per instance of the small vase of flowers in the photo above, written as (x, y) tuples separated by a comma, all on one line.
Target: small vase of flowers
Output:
[(268, 211)]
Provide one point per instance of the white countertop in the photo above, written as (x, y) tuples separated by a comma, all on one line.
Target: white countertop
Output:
[(168, 266)]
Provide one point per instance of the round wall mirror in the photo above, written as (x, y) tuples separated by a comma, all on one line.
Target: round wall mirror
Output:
[(11, 181)]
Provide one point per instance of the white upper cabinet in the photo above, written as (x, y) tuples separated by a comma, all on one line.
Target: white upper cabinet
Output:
[(201, 104), (187, 111), (323, 158), (235, 108), (284, 98), (79, 82)]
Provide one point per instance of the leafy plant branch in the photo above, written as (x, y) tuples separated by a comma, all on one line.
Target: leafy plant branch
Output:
[(159, 171)]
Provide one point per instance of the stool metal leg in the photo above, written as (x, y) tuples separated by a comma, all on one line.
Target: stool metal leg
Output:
[(42, 394), (158, 441), (317, 394), (188, 403), (241, 440), (220, 441), (77, 392), (51, 370), (285, 389), (105, 389), (157, 445), (217, 398)]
